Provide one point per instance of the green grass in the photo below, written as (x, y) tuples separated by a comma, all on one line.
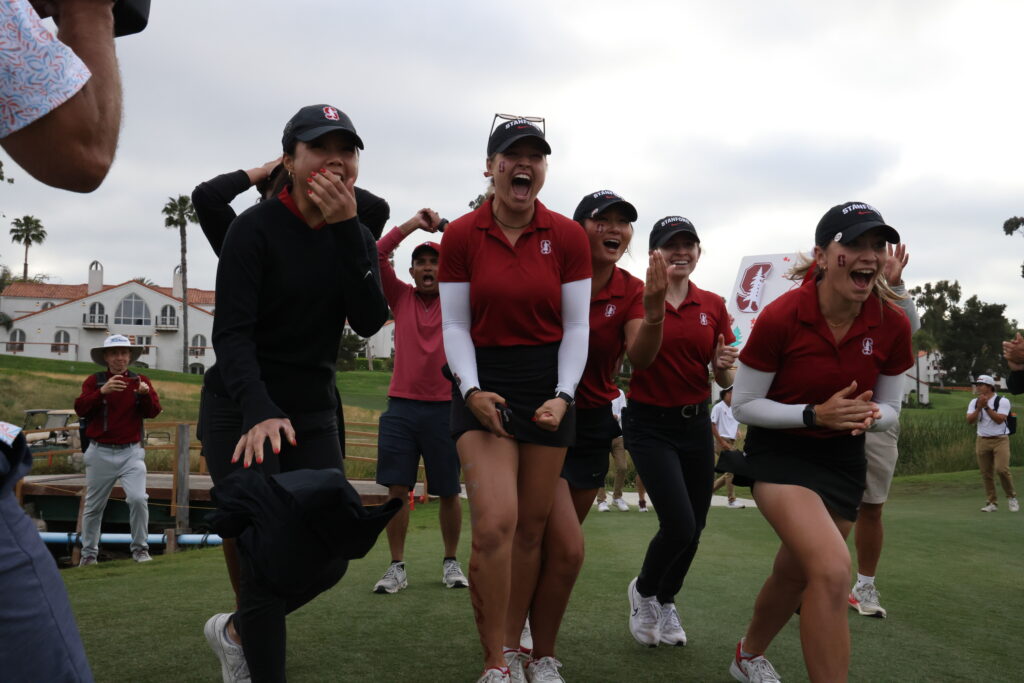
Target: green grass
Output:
[(950, 578)]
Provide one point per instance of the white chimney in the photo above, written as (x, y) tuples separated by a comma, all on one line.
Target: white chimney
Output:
[(95, 277), (176, 287)]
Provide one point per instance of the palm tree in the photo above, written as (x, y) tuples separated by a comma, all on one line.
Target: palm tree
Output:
[(178, 213), (27, 230)]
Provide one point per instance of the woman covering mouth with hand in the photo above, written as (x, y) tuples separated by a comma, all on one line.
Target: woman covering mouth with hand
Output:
[(292, 269), (515, 292), (823, 364), (667, 429)]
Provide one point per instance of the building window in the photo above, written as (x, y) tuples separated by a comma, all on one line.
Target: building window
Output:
[(145, 341), (60, 342), (197, 369), (198, 347), (17, 341), (132, 311), (168, 317), (46, 305)]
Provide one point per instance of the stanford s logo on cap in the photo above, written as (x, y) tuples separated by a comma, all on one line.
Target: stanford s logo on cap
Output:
[(609, 310), (867, 346), (545, 246), (331, 113)]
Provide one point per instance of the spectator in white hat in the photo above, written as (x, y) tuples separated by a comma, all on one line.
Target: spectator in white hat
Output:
[(113, 404), (992, 447)]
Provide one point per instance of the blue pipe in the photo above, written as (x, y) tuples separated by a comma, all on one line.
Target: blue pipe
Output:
[(73, 538)]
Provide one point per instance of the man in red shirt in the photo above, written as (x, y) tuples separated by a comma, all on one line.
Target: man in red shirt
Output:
[(115, 403), (419, 404)]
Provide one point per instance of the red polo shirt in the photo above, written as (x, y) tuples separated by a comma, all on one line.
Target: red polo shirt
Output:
[(419, 348), (679, 374), (792, 339), (125, 410), (621, 300), (515, 292)]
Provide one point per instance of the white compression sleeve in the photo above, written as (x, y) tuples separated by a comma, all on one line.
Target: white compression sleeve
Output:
[(750, 406), (889, 397), (572, 352), (455, 326), (908, 307)]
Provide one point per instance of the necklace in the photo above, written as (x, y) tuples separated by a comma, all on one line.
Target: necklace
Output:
[(837, 325), (509, 225)]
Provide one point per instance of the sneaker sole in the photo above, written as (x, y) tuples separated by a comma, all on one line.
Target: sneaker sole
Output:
[(865, 611), (455, 584), (381, 590)]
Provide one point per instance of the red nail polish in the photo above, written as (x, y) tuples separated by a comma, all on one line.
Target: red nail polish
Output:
[(277, 451), (309, 191), (323, 170)]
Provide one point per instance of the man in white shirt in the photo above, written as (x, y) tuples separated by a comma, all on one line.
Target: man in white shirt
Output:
[(725, 428), (992, 447)]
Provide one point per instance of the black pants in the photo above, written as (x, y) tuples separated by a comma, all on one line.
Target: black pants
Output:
[(260, 618), (675, 458)]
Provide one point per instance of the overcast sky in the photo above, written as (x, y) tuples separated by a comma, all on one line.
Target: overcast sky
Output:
[(749, 117)]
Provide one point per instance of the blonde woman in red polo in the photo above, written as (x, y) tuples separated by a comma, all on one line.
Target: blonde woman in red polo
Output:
[(515, 294), (824, 364)]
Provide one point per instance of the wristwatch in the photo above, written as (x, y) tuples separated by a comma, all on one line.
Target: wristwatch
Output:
[(809, 416), (569, 400)]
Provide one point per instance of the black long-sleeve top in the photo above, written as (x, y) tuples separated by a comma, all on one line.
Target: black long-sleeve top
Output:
[(284, 291), (1015, 382), (212, 201)]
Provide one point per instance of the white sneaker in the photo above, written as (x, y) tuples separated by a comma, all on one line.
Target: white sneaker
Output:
[(866, 601), (753, 669), (644, 616), (621, 504), (544, 670), (494, 675), (515, 661), (87, 560), (141, 555), (991, 507), (526, 637), (670, 631), (602, 506), (1013, 504), (233, 667), (452, 576), (394, 579), (735, 505), (643, 506)]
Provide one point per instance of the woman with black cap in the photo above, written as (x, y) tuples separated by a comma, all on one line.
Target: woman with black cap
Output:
[(667, 431), (291, 271), (823, 365), (515, 289), (622, 309)]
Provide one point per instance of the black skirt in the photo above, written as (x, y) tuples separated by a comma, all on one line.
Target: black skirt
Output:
[(834, 468), (525, 376)]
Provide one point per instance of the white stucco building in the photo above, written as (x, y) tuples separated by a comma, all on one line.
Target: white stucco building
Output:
[(66, 321)]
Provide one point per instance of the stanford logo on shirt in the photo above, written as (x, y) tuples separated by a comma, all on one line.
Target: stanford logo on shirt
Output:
[(331, 113), (867, 346), (609, 310), (545, 246), (748, 295), (704, 319)]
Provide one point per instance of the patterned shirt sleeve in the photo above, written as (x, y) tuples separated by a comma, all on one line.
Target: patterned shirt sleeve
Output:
[(38, 73)]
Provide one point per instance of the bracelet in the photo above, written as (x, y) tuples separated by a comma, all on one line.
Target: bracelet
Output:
[(469, 392)]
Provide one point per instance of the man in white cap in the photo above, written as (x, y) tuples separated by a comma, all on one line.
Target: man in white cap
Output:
[(992, 447), (115, 402)]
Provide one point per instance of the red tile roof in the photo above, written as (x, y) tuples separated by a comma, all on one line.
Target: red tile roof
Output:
[(45, 290)]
